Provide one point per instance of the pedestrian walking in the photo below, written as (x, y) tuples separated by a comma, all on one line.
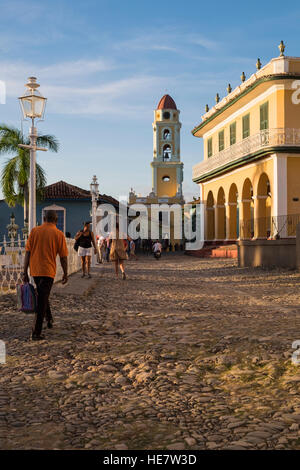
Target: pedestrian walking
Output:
[(107, 244), (118, 251), (127, 248), (101, 248), (132, 250), (85, 240), (157, 249), (43, 245)]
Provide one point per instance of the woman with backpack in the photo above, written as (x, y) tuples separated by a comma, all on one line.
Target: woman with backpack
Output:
[(84, 240)]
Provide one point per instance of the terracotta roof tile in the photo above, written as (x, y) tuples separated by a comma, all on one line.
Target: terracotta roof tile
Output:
[(166, 102), (63, 190)]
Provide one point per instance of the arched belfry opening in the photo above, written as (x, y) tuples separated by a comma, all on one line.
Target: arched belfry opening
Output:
[(167, 153), (166, 134)]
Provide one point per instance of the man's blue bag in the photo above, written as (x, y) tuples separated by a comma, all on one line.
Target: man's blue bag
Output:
[(27, 298)]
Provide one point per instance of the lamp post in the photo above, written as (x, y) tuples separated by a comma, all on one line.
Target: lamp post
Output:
[(32, 106), (94, 186)]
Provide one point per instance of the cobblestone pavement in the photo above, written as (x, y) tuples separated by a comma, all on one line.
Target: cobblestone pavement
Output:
[(185, 354)]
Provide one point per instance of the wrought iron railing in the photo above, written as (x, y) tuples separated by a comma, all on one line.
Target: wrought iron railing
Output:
[(261, 140), (12, 254), (282, 226)]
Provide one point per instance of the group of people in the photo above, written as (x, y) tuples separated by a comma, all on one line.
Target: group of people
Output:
[(46, 242), (104, 245), (116, 248)]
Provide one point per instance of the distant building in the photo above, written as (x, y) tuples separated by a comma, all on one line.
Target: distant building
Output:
[(71, 203), (249, 180), (167, 168)]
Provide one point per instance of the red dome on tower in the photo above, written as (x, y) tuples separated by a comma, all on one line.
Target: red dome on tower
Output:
[(166, 102)]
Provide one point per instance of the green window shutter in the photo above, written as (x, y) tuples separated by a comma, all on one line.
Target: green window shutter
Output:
[(209, 147), (233, 133), (264, 116), (246, 126), (221, 141)]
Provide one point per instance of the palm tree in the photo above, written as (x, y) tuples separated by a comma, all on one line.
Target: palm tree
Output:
[(15, 173)]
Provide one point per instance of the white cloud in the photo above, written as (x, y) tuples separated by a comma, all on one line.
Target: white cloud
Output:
[(202, 41), (153, 41)]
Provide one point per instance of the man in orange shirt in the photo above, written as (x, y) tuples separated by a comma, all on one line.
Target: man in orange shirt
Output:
[(42, 247)]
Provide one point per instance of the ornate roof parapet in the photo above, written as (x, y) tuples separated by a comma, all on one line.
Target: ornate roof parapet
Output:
[(275, 66)]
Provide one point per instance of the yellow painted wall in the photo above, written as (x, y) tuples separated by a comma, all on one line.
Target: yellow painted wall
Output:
[(293, 184), (291, 110), (276, 116), (166, 188), (238, 177)]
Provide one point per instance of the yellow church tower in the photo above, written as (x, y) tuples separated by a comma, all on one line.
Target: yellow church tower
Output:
[(167, 169), (166, 166)]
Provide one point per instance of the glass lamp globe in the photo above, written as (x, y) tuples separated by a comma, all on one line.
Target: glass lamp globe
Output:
[(32, 102)]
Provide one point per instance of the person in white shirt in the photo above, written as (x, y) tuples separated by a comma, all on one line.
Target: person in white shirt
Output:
[(132, 250), (157, 249), (101, 248)]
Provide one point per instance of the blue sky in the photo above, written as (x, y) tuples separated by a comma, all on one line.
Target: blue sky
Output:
[(104, 65)]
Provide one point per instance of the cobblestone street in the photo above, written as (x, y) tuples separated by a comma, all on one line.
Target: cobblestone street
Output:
[(186, 353)]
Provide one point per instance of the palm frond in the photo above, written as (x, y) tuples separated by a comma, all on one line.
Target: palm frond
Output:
[(10, 137), (48, 141), (15, 174), (9, 176), (41, 180)]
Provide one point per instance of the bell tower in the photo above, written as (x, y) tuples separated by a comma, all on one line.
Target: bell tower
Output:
[(167, 169)]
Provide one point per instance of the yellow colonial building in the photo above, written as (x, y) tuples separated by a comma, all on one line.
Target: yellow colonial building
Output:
[(249, 179), (167, 168)]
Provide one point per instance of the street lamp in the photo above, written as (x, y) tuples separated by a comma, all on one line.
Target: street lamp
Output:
[(94, 186), (33, 106)]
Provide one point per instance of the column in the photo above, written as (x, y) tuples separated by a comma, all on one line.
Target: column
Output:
[(260, 226), (203, 215), (216, 214), (231, 220), (245, 218), (228, 221), (279, 195)]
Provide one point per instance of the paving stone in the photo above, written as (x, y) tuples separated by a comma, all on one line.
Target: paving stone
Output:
[(157, 361)]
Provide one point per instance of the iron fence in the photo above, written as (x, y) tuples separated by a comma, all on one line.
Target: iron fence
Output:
[(12, 254), (282, 226)]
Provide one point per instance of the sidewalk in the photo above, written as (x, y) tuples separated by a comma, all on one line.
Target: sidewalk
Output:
[(77, 285)]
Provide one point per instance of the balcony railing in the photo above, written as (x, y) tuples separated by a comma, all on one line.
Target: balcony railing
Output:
[(261, 140)]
